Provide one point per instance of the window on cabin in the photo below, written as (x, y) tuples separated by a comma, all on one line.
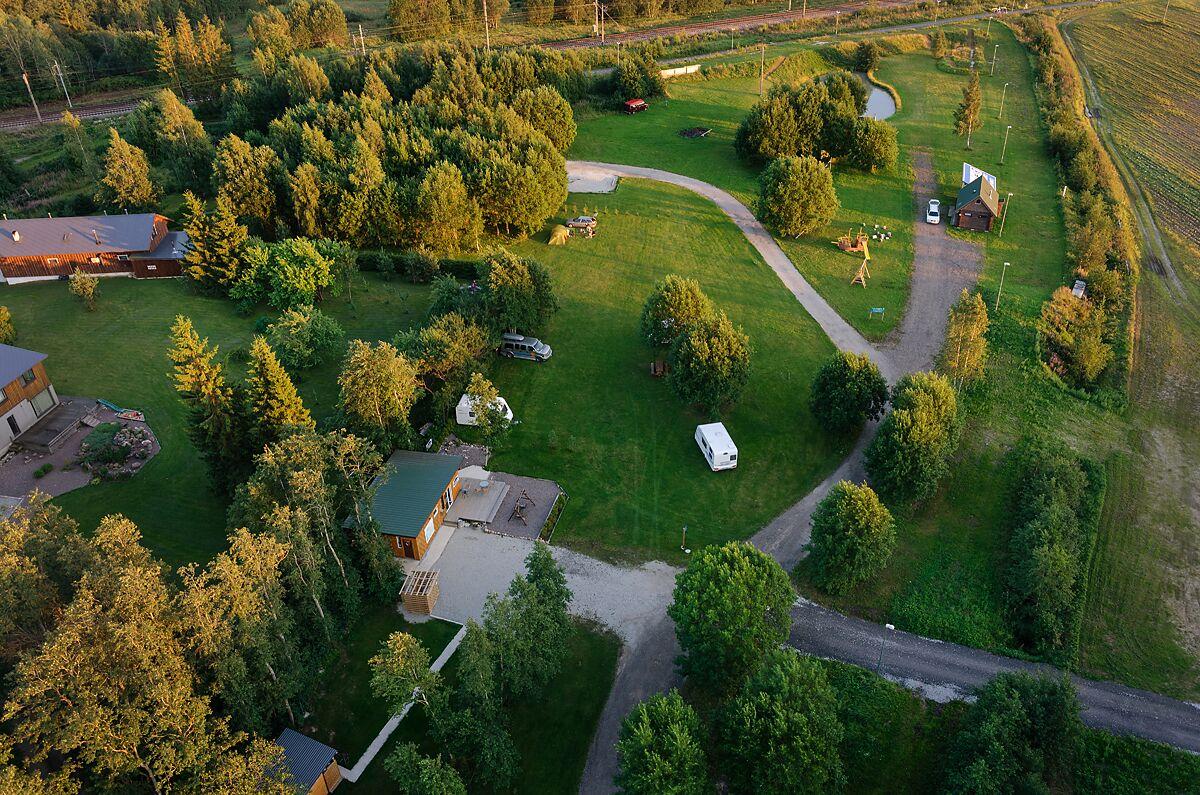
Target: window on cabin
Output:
[(51, 260), (28, 377), (123, 257)]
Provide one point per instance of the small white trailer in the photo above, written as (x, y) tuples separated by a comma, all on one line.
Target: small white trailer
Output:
[(719, 450), (465, 412)]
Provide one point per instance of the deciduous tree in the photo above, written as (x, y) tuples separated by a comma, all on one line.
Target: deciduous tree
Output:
[(416, 774), (491, 420), (911, 452), (874, 147), (547, 112), (413, 20), (661, 749), (8, 331), (732, 605), (848, 391), (710, 363), (853, 535), (674, 305), (518, 292), (303, 337), (447, 219), (965, 351), (126, 183), (781, 733), (86, 286), (379, 386), (245, 178), (796, 196)]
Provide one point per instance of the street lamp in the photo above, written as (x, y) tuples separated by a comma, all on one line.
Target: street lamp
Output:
[(837, 21), (1004, 148), (882, 644), (995, 50), (1004, 217), (1003, 92), (1003, 271)]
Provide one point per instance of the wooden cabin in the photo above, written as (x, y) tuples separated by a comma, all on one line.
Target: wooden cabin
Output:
[(977, 207), (28, 394), (139, 245), (312, 766), (412, 498)]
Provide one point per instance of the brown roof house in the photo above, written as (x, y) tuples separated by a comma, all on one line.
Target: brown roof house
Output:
[(977, 206), (36, 249), (28, 395)]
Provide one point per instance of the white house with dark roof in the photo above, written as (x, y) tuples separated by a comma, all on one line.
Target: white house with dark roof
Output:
[(139, 244), (28, 395)]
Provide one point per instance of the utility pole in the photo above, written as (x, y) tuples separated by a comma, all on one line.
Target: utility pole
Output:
[(804, 12), (603, 12), (1165, 10), (596, 23), (362, 42), (1004, 148), (487, 31), (762, 67), (995, 51), (36, 109), (618, 55), (936, 8), (1003, 91), (1004, 217), (882, 644), (732, 46), (1003, 271), (837, 21), (62, 82)]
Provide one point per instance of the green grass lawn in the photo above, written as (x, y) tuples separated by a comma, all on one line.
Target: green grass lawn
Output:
[(345, 715), (552, 735), (652, 139), (945, 579), (119, 352), (618, 440)]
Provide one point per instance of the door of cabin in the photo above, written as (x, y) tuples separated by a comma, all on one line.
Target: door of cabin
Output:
[(409, 551)]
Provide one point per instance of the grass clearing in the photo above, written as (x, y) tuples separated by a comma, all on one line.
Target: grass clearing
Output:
[(652, 139), (552, 735), (618, 440), (119, 352)]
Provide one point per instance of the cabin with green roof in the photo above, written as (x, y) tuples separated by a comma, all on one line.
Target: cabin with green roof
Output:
[(977, 206), (412, 497)]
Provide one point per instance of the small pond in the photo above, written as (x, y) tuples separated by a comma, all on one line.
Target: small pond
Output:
[(880, 104)]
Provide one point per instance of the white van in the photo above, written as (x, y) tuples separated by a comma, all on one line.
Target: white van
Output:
[(719, 450), (465, 412)]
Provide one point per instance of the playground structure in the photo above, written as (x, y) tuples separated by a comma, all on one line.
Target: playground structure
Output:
[(853, 244)]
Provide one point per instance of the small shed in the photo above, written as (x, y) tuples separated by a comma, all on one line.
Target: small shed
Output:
[(977, 206), (635, 106), (420, 591), (465, 413), (717, 445), (311, 765)]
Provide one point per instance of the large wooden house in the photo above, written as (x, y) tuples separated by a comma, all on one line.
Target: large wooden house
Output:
[(28, 394), (140, 245), (412, 498)]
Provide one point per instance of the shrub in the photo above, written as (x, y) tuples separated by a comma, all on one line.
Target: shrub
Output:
[(8, 331), (853, 535), (418, 267), (304, 337), (1073, 337), (796, 196), (99, 446), (866, 57), (848, 391), (43, 470), (911, 452), (638, 77), (710, 363)]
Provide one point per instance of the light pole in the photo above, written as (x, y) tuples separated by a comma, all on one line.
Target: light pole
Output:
[(935, 10), (837, 21), (995, 50), (1004, 217), (683, 542), (970, 128), (987, 34), (882, 644), (1004, 148), (1003, 271), (1003, 91)]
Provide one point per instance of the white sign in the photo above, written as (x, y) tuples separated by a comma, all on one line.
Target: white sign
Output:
[(970, 174)]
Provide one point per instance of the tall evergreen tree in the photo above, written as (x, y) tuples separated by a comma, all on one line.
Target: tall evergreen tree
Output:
[(126, 183), (245, 177), (273, 404), (967, 116), (304, 186), (216, 244), (217, 425)]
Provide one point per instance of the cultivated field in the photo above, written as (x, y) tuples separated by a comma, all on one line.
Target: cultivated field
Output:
[(1148, 74)]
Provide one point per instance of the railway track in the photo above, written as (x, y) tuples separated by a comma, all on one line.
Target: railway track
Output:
[(86, 113)]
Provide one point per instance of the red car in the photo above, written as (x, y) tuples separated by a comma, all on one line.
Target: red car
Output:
[(633, 106)]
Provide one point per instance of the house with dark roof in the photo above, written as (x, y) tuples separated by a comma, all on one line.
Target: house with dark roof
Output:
[(139, 245), (977, 206), (412, 497), (28, 395), (312, 766)]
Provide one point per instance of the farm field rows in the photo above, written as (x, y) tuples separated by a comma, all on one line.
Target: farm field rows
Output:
[(1152, 109)]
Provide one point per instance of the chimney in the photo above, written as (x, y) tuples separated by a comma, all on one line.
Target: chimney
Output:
[(16, 236), (66, 236), (96, 235)]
